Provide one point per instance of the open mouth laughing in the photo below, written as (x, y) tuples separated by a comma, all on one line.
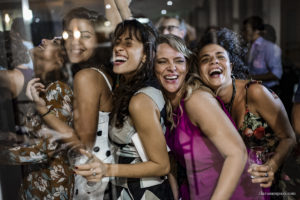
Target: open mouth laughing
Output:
[(119, 60), (171, 77), (215, 72)]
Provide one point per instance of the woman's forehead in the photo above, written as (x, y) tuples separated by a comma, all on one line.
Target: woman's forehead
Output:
[(212, 48)]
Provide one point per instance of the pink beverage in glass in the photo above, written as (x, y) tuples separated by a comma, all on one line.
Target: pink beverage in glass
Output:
[(258, 155)]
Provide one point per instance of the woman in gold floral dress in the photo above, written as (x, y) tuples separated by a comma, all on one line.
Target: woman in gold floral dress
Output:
[(45, 170)]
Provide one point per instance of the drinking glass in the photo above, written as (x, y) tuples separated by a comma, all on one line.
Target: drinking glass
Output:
[(259, 155), (76, 156)]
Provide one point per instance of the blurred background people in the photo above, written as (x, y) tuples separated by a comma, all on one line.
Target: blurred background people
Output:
[(177, 26), (172, 25), (269, 33), (264, 57), (289, 72)]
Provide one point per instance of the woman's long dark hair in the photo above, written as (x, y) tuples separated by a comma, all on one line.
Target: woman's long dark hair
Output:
[(147, 35)]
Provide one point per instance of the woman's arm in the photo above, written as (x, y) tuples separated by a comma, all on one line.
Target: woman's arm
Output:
[(51, 117), (13, 80), (123, 6), (205, 112), (271, 109), (172, 176), (117, 12), (88, 85), (146, 119), (38, 149), (112, 13)]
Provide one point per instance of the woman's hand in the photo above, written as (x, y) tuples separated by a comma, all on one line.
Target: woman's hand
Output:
[(94, 171), (34, 87), (262, 174)]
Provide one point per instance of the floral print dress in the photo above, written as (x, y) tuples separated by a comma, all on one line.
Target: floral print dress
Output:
[(46, 172), (256, 133), (255, 130)]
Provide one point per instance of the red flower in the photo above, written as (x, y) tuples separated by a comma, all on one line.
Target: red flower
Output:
[(259, 132), (248, 132)]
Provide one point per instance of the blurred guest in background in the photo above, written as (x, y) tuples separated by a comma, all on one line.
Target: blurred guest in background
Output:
[(177, 26), (172, 25), (264, 57), (289, 72)]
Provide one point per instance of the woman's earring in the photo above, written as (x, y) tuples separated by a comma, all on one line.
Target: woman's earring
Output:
[(144, 59)]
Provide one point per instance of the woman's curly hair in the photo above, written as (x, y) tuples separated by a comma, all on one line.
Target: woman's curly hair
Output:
[(232, 43), (144, 76), (19, 53)]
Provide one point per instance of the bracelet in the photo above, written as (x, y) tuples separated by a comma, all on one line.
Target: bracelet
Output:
[(43, 115)]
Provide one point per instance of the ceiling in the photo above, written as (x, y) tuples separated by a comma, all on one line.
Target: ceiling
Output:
[(147, 8)]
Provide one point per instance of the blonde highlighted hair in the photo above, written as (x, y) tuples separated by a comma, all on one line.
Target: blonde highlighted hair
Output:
[(192, 79)]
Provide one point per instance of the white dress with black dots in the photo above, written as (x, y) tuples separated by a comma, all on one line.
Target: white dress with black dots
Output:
[(102, 150)]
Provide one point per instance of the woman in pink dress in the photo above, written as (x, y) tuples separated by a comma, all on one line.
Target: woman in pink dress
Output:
[(200, 133)]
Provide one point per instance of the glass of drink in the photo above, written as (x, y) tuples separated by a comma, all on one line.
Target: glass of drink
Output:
[(79, 155), (258, 155)]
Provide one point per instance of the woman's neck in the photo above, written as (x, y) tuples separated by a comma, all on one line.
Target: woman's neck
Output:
[(176, 97), (225, 92)]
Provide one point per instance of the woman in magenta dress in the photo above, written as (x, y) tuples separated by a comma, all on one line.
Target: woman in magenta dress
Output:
[(200, 132), (259, 114)]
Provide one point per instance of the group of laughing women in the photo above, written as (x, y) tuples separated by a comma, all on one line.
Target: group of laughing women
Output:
[(191, 111)]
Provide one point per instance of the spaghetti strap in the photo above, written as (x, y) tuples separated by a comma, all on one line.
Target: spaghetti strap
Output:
[(106, 79), (250, 82)]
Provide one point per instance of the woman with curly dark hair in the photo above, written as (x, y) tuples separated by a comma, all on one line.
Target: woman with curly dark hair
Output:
[(258, 113), (138, 108)]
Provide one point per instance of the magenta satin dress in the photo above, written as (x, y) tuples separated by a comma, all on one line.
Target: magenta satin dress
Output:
[(202, 161)]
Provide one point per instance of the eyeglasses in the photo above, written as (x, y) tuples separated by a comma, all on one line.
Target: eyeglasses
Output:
[(169, 28)]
